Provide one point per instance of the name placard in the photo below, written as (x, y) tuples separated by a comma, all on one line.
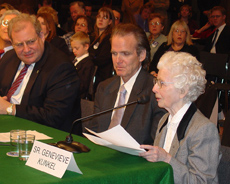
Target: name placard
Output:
[(52, 160)]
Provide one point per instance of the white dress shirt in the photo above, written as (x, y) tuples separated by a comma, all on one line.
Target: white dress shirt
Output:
[(213, 50), (172, 125), (17, 96)]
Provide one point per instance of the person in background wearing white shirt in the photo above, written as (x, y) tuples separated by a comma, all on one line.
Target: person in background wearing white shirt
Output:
[(219, 41), (185, 138)]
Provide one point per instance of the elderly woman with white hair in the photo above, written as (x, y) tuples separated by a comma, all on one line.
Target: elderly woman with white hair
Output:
[(185, 138)]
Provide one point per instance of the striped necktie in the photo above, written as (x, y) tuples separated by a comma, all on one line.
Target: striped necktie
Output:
[(1, 52), (17, 82), (118, 113)]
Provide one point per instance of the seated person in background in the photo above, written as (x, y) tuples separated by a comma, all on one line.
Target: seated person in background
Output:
[(49, 31), (37, 81), (219, 41), (4, 7), (185, 138), (54, 13), (186, 15), (118, 16), (82, 24), (5, 42), (206, 30), (142, 17), (178, 40), (76, 8), (155, 37), (130, 53), (80, 44)]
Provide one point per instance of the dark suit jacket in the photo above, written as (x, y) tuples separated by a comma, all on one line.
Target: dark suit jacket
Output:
[(164, 48), (223, 42), (195, 148), (85, 69), (51, 96), (139, 120)]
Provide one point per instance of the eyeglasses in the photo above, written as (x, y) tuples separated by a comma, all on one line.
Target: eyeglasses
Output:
[(82, 25), (155, 23), (29, 43), (179, 31), (160, 83), (103, 17), (215, 16), (5, 23)]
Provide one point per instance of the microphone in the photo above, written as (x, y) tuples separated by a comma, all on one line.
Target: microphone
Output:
[(77, 147)]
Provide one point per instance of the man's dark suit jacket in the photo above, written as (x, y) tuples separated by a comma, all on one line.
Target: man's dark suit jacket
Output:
[(51, 96), (139, 120), (85, 69), (222, 44)]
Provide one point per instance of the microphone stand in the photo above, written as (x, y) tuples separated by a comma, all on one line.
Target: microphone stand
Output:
[(77, 147)]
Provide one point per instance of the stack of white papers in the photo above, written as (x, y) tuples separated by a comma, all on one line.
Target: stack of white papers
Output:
[(116, 138), (5, 137)]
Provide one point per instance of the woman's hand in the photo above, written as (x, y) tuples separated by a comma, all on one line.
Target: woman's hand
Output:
[(155, 154)]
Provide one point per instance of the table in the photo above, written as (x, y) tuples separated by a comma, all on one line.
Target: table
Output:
[(100, 165)]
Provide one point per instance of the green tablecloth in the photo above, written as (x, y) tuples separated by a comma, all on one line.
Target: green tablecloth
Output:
[(100, 165)]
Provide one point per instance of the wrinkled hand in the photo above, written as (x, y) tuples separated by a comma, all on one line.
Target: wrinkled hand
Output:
[(155, 154), (3, 105)]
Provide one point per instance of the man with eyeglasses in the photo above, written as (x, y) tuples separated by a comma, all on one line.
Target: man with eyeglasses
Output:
[(130, 54), (5, 42), (37, 82), (219, 41)]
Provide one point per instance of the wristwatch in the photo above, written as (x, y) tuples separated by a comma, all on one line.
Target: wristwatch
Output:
[(9, 109)]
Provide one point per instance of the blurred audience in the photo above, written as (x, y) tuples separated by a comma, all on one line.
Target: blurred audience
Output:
[(76, 8), (179, 40), (142, 17), (185, 14), (49, 31), (100, 48), (155, 36)]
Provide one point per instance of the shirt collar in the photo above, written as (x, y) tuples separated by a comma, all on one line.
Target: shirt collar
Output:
[(179, 115)]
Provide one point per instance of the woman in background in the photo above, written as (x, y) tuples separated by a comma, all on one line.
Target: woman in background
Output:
[(100, 48), (179, 40), (155, 36), (49, 31)]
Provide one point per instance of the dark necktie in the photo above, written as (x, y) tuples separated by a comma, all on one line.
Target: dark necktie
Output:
[(214, 39), (1, 52), (118, 113), (17, 82)]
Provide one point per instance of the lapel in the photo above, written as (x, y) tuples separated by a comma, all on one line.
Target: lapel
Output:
[(160, 138), (183, 125), (35, 73), (135, 93)]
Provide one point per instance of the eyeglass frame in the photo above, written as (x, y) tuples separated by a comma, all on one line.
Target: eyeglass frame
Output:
[(5, 23), (29, 43), (215, 16), (82, 24), (155, 23), (180, 31), (160, 82)]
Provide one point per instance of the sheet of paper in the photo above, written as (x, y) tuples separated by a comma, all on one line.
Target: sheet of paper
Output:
[(116, 138), (5, 137)]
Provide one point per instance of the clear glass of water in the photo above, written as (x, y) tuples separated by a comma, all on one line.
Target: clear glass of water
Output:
[(14, 142), (25, 146)]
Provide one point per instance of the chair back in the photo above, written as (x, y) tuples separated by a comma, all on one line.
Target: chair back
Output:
[(214, 64), (87, 108), (224, 166)]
